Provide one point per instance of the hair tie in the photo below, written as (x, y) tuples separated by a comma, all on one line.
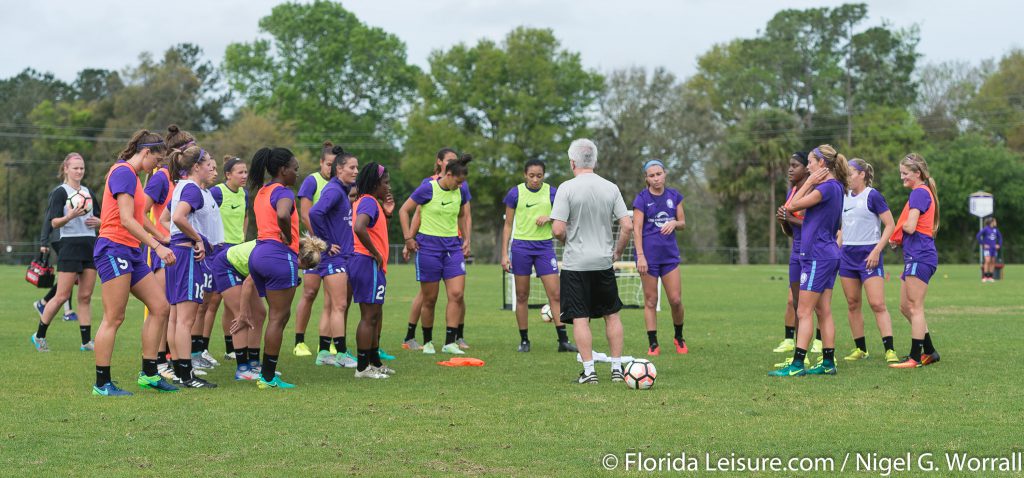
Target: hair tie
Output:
[(186, 145), (653, 162), (182, 173), (854, 165)]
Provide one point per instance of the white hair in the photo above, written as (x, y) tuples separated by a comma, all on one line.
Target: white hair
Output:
[(584, 153)]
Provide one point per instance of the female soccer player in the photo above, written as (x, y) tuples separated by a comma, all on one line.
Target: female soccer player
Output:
[(440, 252), (309, 194), (822, 198), (660, 211), (529, 229), (368, 267), (331, 218), (232, 282), (863, 242), (791, 224), (991, 240), (409, 343), (230, 198), (121, 263), (195, 227), (75, 240), (915, 231), (276, 273)]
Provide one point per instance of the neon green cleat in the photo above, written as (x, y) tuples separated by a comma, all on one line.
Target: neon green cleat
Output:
[(823, 368), (891, 357), (816, 347), (452, 348), (334, 351), (428, 348), (857, 354), (275, 383), (301, 350), (788, 371), (784, 363), (787, 345)]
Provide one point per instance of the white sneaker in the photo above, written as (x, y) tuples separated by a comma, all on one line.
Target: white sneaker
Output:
[(230, 356), (325, 358), (165, 371), (209, 358), (384, 369), (428, 348), (370, 372), (453, 349), (198, 372), (345, 360)]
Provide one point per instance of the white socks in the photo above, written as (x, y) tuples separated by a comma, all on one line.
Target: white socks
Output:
[(588, 367)]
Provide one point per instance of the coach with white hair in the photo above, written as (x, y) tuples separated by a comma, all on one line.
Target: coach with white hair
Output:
[(582, 214)]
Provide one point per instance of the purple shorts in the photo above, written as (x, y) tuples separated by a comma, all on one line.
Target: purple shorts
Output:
[(818, 275), (528, 256), (853, 264), (277, 267), (659, 270), (156, 263), (918, 269), (224, 274), (988, 251), (367, 281), (432, 266), (794, 269), (114, 260), (184, 281), (335, 264)]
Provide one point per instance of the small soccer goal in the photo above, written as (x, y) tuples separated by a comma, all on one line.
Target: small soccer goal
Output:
[(631, 292)]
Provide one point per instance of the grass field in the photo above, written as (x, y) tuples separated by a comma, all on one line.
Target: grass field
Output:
[(521, 415)]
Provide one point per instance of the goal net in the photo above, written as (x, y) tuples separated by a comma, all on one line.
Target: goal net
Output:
[(631, 292)]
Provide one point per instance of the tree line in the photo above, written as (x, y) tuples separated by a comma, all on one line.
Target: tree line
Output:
[(316, 72)]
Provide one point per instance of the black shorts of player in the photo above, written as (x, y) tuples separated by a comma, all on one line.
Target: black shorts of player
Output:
[(74, 254), (591, 294)]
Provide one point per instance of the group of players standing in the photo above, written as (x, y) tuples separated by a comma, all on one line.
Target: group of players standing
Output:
[(190, 255), (841, 225)]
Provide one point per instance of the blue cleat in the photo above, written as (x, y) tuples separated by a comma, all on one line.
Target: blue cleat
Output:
[(110, 390), (825, 367), (789, 371), (384, 355), (39, 305)]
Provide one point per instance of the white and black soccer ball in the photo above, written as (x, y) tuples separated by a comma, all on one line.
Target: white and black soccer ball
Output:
[(80, 198), (640, 374), (545, 313)]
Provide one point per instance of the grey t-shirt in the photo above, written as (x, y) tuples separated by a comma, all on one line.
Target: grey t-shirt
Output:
[(588, 204)]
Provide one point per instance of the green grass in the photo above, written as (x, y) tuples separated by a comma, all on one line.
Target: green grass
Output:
[(520, 415)]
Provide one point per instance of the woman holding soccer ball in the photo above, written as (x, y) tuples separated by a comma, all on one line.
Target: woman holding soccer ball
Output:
[(529, 228), (70, 213), (915, 231), (660, 211), (822, 198)]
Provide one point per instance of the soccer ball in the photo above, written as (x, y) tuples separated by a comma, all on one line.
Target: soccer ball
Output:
[(80, 198), (640, 374), (545, 313)]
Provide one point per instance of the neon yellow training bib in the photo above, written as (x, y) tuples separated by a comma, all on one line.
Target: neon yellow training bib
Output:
[(531, 206), (440, 216)]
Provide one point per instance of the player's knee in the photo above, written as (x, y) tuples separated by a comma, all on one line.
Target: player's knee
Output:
[(457, 296), (85, 297), (309, 294), (650, 302), (675, 302), (853, 303), (877, 307)]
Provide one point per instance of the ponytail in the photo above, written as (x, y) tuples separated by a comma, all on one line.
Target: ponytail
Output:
[(266, 161), (142, 139), (181, 162)]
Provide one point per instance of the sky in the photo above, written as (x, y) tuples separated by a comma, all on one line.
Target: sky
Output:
[(62, 37)]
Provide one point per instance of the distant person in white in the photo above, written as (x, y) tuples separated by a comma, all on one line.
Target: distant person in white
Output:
[(582, 216)]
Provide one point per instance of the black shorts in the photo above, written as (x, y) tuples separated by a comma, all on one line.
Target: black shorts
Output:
[(74, 265), (74, 254), (591, 294)]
